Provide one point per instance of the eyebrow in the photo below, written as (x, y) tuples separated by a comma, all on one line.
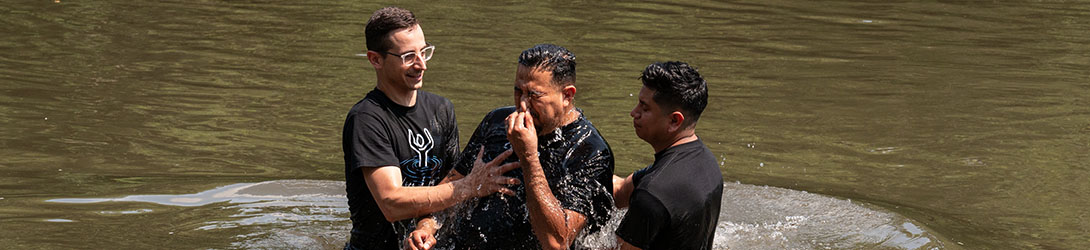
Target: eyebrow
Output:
[(426, 44)]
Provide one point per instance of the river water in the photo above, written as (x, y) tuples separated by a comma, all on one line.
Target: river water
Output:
[(969, 119)]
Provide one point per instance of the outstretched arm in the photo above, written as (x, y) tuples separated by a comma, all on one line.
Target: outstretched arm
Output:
[(554, 226), (622, 190), (399, 202)]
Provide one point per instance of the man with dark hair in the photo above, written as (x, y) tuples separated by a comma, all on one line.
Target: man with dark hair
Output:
[(674, 202), (566, 165), (399, 141)]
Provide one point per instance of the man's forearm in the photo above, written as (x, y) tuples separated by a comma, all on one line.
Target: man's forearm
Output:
[(554, 226), (410, 202), (399, 202), (622, 190)]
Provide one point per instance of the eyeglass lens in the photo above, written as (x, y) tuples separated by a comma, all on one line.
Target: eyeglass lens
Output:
[(425, 54)]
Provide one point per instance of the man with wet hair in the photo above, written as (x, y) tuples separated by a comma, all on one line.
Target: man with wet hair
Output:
[(399, 141), (566, 165), (674, 202)]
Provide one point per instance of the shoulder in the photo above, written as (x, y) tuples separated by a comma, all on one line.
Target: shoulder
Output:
[(499, 114), (433, 99), (590, 136), (367, 107), (688, 170), (502, 111)]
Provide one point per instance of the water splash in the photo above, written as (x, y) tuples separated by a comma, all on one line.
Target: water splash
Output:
[(311, 214)]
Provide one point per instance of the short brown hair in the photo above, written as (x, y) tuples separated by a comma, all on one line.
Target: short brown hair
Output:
[(382, 22)]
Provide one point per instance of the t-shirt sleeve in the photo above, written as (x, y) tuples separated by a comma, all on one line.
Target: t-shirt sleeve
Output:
[(583, 190), (371, 144), (645, 218)]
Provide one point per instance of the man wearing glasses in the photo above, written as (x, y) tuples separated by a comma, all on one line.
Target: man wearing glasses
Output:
[(399, 141)]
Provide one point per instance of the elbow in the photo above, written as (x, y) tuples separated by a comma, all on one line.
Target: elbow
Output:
[(391, 212), (554, 245), (389, 218), (558, 242), (387, 213)]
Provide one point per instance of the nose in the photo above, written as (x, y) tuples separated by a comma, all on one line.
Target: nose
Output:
[(419, 63), (632, 113), (520, 103)]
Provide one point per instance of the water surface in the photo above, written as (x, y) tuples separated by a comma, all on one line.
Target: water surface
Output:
[(971, 118)]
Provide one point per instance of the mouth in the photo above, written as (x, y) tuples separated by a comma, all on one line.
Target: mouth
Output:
[(415, 77)]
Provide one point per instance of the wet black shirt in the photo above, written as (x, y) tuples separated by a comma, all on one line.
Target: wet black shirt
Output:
[(675, 204), (422, 140), (577, 163)]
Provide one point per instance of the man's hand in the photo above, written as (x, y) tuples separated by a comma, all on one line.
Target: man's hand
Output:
[(487, 178), (522, 134), (420, 239)]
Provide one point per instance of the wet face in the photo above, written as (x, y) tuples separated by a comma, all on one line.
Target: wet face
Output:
[(393, 69), (651, 122), (547, 103)]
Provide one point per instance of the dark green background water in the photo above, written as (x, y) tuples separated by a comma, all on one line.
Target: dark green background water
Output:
[(972, 118)]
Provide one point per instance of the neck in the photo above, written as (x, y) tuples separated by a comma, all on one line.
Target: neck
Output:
[(569, 117), (403, 97), (686, 136)]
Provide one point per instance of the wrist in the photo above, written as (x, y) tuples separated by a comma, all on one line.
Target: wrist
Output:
[(460, 189), (428, 224), (530, 158)]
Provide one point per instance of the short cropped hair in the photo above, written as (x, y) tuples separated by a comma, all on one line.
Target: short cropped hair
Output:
[(677, 86), (552, 58), (382, 22)]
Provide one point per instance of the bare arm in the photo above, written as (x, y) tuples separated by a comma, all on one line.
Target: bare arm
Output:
[(554, 226), (622, 190), (399, 202)]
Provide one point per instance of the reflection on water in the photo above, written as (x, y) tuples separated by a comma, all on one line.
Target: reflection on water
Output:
[(296, 214), (971, 118)]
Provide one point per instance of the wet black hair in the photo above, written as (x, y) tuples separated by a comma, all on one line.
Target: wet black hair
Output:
[(677, 86), (382, 22), (552, 58)]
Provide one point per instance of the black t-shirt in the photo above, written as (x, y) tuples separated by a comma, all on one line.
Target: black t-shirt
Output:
[(675, 204), (422, 140), (577, 162)]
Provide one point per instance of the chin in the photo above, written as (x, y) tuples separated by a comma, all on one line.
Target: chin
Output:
[(640, 135)]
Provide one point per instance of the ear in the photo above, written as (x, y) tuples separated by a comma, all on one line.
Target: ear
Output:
[(677, 121), (569, 93), (375, 58)]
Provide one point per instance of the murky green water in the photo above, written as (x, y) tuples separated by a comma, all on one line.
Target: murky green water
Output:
[(970, 118)]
